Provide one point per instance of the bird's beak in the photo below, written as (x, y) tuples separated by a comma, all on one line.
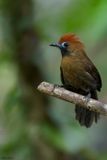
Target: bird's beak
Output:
[(55, 45)]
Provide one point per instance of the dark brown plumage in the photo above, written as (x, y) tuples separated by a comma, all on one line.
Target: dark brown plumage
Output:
[(79, 74)]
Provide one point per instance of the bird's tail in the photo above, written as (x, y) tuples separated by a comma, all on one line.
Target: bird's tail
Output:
[(85, 116)]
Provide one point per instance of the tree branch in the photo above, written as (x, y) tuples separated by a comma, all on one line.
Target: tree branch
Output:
[(61, 93)]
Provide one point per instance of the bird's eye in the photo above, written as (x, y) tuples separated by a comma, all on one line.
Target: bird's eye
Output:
[(64, 44)]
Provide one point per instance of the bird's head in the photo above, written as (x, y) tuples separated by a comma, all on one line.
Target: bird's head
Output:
[(68, 44)]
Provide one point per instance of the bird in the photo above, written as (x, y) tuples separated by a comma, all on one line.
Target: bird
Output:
[(79, 74)]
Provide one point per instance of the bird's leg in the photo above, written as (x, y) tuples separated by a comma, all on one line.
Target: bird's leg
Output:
[(56, 86), (87, 97)]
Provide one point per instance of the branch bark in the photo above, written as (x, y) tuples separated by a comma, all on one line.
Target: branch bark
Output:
[(61, 93)]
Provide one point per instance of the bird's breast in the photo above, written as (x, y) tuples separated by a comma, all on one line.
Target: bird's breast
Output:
[(71, 68)]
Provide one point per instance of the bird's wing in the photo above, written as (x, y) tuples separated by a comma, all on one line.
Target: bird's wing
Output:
[(86, 80), (92, 70), (77, 77), (80, 73)]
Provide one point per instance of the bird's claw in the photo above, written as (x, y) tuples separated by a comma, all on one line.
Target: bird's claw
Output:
[(57, 85), (87, 98)]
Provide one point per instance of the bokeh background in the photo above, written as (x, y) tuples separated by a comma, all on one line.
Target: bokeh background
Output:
[(34, 126)]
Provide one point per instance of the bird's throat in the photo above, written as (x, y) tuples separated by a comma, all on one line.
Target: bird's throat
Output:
[(64, 53)]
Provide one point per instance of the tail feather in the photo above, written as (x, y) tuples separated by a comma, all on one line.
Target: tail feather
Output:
[(85, 116)]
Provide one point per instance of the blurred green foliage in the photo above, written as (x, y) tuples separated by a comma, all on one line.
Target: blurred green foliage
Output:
[(51, 19)]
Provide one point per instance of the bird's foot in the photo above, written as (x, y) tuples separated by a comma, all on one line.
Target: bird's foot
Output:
[(57, 85), (87, 97)]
